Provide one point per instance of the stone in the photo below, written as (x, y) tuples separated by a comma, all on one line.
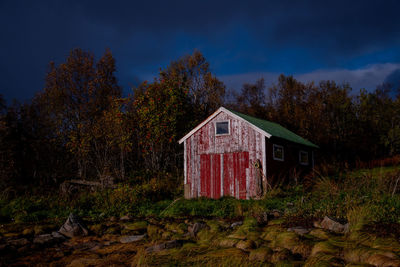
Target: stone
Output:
[(333, 225), (261, 254), (18, 242), (281, 255), (228, 242), (167, 245), (236, 224), (126, 218), (57, 236), (299, 230), (73, 227), (276, 213), (28, 232), (136, 226), (43, 239), (195, 228), (245, 244), (131, 238)]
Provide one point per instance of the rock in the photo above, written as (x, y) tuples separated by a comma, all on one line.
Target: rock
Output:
[(126, 218), (131, 238), (281, 255), (320, 234), (74, 227), (245, 244), (332, 225), (261, 254), (57, 236), (228, 242), (28, 232), (167, 245), (195, 228), (18, 242), (236, 224), (136, 226), (44, 239), (299, 230), (276, 213)]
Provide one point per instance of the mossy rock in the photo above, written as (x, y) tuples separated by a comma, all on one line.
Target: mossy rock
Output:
[(228, 242), (303, 249), (286, 240), (113, 230), (167, 235), (276, 221), (262, 254), (179, 228), (28, 232), (271, 232), (245, 245), (324, 260), (281, 255), (320, 234), (248, 230), (325, 247), (368, 255), (136, 226), (386, 244)]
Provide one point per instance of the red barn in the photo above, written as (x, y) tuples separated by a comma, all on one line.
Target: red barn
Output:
[(232, 154)]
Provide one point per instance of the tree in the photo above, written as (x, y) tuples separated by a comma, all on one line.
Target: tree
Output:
[(252, 99), (76, 95)]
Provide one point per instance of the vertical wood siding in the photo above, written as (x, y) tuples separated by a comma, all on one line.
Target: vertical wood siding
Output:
[(217, 165)]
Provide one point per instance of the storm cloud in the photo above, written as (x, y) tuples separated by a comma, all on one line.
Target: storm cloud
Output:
[(238, 38)]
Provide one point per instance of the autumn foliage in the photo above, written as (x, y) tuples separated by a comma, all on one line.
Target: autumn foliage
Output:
[(81, 126)]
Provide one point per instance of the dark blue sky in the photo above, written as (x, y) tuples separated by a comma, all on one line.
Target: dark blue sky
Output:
[(346, 41)]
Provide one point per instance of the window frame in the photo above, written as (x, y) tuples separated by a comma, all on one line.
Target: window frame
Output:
[(308, 158), (273, 152), (229, 127)]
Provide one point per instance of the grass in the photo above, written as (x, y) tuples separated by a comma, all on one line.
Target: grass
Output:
[(363, 197)]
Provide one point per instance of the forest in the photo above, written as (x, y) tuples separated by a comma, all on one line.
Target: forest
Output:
[(81, 126)]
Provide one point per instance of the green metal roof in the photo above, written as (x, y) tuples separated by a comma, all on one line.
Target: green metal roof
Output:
[(275, 129)]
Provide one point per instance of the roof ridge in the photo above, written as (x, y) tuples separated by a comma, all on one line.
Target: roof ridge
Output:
[(275, 129)]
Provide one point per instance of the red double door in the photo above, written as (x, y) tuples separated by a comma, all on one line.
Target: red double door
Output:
[(228, 170)]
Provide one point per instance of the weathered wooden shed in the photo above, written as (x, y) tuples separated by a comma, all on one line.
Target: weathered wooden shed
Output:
[(230, 153)]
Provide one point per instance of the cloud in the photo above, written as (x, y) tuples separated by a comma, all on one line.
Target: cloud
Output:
[(367, 77)]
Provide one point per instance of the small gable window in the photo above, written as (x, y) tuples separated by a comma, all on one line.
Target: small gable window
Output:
[(222, 128), (303, 157), (278, 153)]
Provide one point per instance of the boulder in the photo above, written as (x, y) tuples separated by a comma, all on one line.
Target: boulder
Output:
[(126, 218), (228, 242), (245, 244), (44, 239), (73, 227), (167, 245), (236, 224), (131, 238), (299, 230), (333, 225), (195, 228), (261, 254)]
